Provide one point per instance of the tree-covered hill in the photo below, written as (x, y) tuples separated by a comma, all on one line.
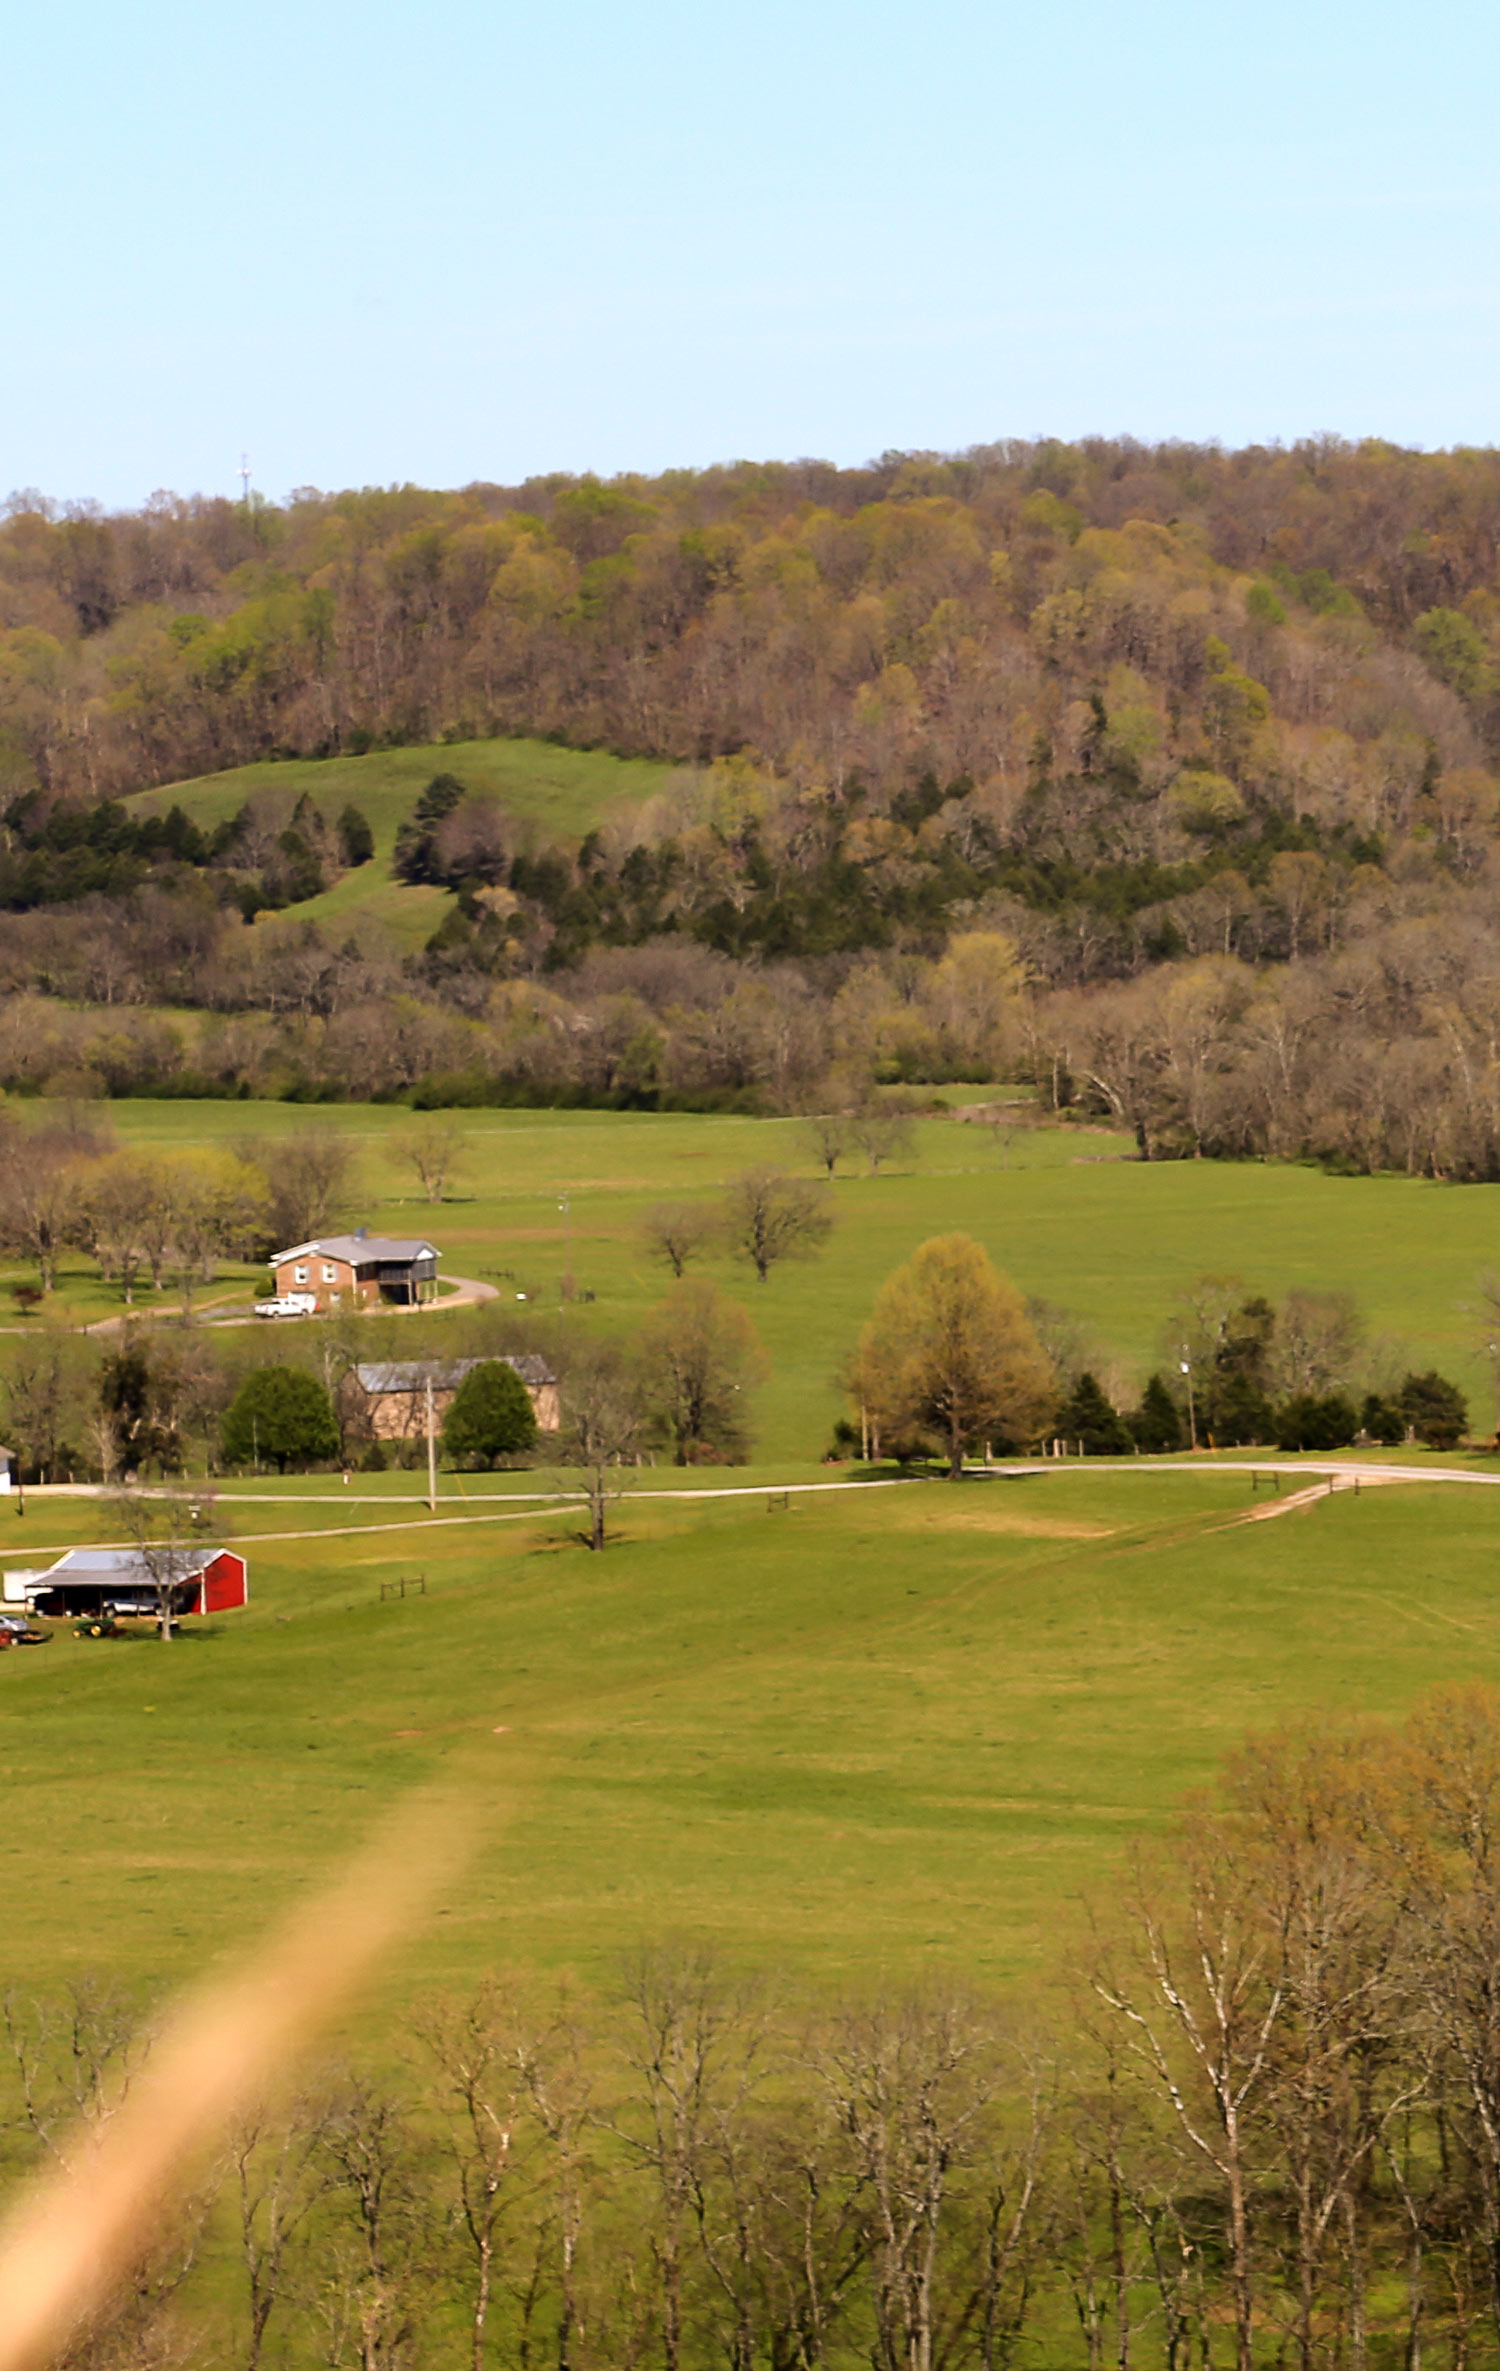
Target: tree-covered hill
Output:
[(1163, 777), (924, 613)]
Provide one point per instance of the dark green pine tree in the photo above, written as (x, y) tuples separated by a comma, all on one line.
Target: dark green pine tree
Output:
[(1157, 1424), (1087, 1416)]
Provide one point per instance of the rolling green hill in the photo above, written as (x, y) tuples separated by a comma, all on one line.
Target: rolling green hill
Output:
[(899, 1729), (560, 793)]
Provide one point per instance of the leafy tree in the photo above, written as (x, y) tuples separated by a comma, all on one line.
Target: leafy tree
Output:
[(1435, 1409), (1317, 1420), (1087, 1416), (490, 1416), (1261, 604), (356, 840), (1157, 1423), (1453, 647), (701, 1358), (283, 1414), (950, 1351)]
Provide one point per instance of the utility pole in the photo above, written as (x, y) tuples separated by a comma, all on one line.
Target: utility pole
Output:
[(567, 1253), (1187, 1368), (431, 1455)]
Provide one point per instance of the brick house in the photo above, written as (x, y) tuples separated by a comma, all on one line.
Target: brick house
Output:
[(355, 1271), (389, 1398)]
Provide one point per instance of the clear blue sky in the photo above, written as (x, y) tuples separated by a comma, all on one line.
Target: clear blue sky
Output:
[(378, 242)]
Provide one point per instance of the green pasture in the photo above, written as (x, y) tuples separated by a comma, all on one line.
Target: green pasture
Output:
[(555, 793), (1062, 1209), (890, 1731)]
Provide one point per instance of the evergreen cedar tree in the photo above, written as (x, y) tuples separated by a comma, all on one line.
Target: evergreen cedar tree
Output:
[(356, 840), (1157, 1427), (1086, 1417), (950, 1353), (1435, 1409), (280, 1414), (490, 1416)]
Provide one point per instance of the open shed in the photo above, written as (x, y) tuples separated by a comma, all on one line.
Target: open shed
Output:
[(96, 1580)]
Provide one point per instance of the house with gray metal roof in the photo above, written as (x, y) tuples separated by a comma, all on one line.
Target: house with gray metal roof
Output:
[(358, 1270)]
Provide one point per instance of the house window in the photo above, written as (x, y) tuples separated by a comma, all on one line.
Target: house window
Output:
[(330, 1273), (299, 1275)]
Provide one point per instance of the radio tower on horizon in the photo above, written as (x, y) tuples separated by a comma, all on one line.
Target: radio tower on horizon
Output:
[(245, 477)]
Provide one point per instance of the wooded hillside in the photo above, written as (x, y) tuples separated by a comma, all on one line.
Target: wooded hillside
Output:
[(922, 613), (1161, 776)]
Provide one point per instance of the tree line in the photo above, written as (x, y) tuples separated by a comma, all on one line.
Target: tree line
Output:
[(1257, 2127)]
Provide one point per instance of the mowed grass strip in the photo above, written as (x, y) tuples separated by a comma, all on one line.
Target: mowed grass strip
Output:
[(900, 1732)]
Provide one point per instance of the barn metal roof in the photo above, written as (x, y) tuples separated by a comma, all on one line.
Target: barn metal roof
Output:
[(127, 1564), (414, 1374)]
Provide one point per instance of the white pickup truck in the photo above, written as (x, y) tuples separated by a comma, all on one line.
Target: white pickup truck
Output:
[(288, 1305)]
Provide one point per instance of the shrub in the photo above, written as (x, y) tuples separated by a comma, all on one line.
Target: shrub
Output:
[(1317, 1420), (1383, 1421), (1435, 1409)]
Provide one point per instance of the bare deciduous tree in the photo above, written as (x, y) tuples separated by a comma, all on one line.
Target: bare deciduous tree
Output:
[(884, 1130), (676, 1233), (482, 2087), (280, 2172), (169, 1529), (603, 1419), (433, 1149), (769, 1217), (828, 1136)]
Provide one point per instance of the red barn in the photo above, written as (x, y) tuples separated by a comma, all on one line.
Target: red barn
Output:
[(206, 1580)]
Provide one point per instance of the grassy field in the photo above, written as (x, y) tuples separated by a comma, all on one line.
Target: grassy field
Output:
[(891, 1730), (1061, 1210), (558, 793)]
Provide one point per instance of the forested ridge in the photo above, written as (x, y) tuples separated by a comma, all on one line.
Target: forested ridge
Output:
[(1162, 776)]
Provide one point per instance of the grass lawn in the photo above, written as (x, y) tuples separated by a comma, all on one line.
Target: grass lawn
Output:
[(559, 793), (1061, 1209), (893, 1730)]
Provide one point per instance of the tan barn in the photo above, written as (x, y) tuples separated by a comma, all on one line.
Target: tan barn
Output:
[(390, 1397)]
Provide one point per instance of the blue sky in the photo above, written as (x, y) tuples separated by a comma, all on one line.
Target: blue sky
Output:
[(473, 241)]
